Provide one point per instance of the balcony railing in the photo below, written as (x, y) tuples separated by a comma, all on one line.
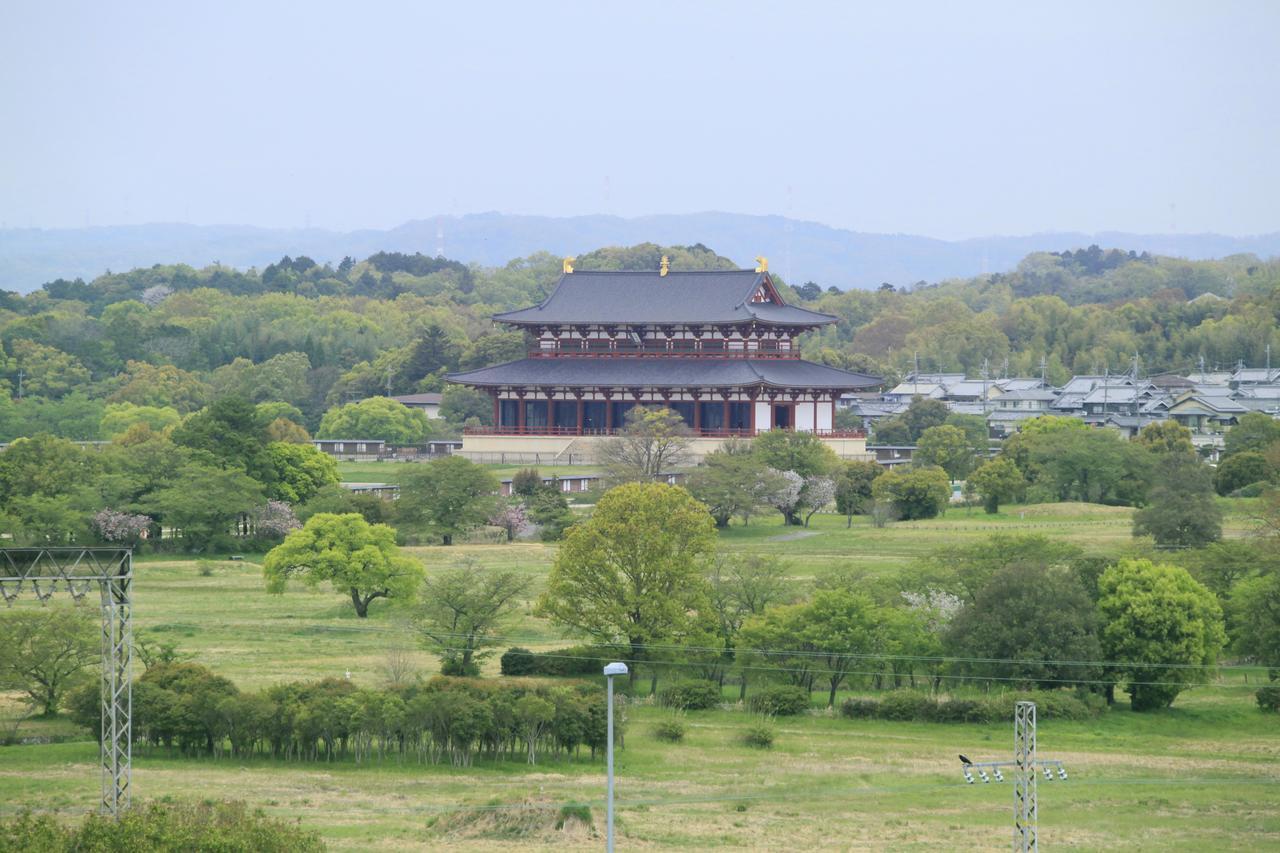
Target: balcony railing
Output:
[(620, 349), (586, 430)]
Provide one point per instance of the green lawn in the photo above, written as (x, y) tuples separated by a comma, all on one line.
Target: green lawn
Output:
[(1204, 775)]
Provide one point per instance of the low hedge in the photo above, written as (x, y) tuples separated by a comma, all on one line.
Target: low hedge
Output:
[(690, 695), (571, 661), (163, 827), (782, 700), (910, 705), (1268, 697)]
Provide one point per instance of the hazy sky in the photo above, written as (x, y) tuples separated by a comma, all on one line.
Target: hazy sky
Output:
[(948, 119)]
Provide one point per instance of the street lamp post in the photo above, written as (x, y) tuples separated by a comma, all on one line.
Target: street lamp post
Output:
[(610, 671)]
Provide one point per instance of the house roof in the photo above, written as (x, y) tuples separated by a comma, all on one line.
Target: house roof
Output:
[(971, 388), (1020, 384), (1258, 375), (1207, 405), (1028, 394), (664, 373), (913, 389), (428, 399), (711, 296)]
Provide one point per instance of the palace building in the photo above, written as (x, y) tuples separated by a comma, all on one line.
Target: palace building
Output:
[(718, 347)]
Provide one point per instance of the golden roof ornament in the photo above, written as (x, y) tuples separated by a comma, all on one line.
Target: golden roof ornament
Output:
[(762, 263), (666, 266), (568, 265)]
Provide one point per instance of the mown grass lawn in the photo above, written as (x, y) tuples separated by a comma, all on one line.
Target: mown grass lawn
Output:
[(1205, 774)]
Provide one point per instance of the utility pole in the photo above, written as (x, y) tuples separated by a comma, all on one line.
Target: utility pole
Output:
[(1044, 366), (986, 373), (1026, 764), (20, 375)]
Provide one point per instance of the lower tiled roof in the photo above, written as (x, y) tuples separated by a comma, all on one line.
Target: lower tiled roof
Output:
[(664, 373)]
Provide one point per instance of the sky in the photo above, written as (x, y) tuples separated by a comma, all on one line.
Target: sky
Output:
[(949, 120)]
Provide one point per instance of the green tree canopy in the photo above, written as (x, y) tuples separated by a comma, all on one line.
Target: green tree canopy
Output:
[(1181, 509), (460, 609), (1242, 469), (633, 573), (918, 493), (1029, 620), (377, 419), (1254, 431), (853, 487), (447, 496), (1166, 437), (353, 555), (228, 432), (651, 443), (118, 417), (1160, 627), (791, 450), (998, 481), (295, 472), (946, 447), (44, 652), (731, 481)]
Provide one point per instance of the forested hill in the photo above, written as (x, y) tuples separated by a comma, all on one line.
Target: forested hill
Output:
[(798, 249), (81, 359)]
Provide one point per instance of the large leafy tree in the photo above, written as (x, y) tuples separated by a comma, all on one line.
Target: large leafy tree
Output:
[(460, 610), (801, 452), (948, 448), (732, 482), (918, 493), (998, 481), (203, 503), (378, 419), (1255, 619), (356, 557), (295, 472), (229, 432), (1035, 623), (651, 443), (633, 574), (118, 417), (45, 466), (447, 496), (44, 652), (1181, 510), (1161, 630), (1094, 465), (1254, 431), (853, 487), (1166, 437), (1243, 469)]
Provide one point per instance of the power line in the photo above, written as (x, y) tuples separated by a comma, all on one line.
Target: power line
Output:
[(816, 672)]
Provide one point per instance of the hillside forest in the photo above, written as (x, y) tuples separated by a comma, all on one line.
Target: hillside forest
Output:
[(86, 360)]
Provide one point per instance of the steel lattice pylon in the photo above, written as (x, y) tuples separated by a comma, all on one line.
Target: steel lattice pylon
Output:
[(1024, 782), (1026, 767), (77, 570)]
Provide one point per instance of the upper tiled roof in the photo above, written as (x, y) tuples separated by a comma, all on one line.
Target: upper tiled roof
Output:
[(714, 296), (664, 373)]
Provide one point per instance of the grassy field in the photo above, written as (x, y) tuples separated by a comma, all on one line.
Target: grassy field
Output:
[(1205, 774)]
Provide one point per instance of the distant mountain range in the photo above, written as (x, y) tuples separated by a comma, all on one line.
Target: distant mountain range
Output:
[(800, 251)]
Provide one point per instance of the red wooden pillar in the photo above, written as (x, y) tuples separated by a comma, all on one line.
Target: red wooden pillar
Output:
[(697, 412), (579, 414), (608, 412), (520, 415), (497, 412), (724, 424)]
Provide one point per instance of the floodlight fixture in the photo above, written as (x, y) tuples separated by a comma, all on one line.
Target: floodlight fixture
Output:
[(615, 668)]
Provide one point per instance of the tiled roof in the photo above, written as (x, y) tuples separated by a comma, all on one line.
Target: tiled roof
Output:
[(664, 373), (716, 296)]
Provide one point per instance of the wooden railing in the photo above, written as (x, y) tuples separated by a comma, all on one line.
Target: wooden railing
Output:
[(701, 433)]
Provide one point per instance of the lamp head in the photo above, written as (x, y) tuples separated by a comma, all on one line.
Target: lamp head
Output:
[(615, 668)]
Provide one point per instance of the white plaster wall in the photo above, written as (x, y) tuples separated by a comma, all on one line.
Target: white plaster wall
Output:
[(824, 415), (764, 417), (804, 415)]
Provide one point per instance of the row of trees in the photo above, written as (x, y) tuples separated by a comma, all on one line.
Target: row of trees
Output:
[(186, 708)]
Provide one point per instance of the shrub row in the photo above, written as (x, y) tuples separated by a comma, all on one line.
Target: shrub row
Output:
[(912, 705), (571, 661), (781, 700), (185, 707), (165, 827), (690, 695), (1268, 697)]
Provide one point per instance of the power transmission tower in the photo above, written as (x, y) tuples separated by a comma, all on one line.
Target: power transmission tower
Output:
[(1025, 766), (76, 570)]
